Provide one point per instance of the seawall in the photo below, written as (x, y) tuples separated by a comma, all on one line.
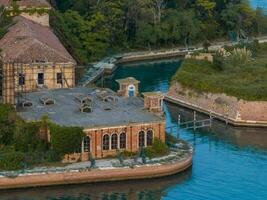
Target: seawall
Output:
[(234, 111), (96, 175)]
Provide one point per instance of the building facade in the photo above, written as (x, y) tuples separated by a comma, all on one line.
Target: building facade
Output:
[(33, 57)]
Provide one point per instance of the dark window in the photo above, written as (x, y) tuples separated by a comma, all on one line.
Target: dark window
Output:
[(123, 141), (114, 141), (149, 138), (59, 78), (106, 142), (21, 79), (141, 139), (40, 78), (86, 144)]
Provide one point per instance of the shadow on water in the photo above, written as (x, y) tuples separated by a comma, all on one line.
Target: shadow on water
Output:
[(151, 189), (241, 137), (153, 75)]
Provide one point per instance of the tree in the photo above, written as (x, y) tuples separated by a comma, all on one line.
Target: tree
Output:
[(260, 22), (7, 123), (189, 26), (238, 18), (66, 140)]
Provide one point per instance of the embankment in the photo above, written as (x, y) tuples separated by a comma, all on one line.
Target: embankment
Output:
[(235, 111), (96, 175)]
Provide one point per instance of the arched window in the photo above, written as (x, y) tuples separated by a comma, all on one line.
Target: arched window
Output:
[(114, 141), (123, 141), (86, 144), (149, 137), (106, 142), (141, 139)]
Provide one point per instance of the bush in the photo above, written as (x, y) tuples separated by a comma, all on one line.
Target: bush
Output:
[(11, 160), (27, 139), (240, 56), (171, 140), (33, 158), (7, 123), (158, 148), (66, 140)]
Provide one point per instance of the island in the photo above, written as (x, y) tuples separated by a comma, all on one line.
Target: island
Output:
[(231, 87)]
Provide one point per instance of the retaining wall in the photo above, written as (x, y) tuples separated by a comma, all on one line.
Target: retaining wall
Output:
[(96, 175), (235, 111)]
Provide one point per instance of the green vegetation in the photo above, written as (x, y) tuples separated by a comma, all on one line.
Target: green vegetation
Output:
[(233, 72), (22, 146), (91, 29), (5, 21), (66, 139), (157, 149)]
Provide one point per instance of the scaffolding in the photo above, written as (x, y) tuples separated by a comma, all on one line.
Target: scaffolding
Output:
[(18, 79)]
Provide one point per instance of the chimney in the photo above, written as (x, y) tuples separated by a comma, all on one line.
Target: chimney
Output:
[(153, 101), (129, 87)]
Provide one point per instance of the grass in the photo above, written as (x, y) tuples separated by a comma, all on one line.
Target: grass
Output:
[(247, 81)]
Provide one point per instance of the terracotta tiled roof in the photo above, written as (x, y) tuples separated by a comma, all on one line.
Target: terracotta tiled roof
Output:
[(27, 3), (28, 42)]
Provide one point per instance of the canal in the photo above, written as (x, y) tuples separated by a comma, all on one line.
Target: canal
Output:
[(228, 164)]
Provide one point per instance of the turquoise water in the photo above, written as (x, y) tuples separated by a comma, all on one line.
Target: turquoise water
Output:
[(259, 3), (228, 163)]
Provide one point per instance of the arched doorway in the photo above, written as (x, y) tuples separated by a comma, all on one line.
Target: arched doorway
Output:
[(149, 138), (141, 139), (123, 141), (86, 144), (114, 141), (131, 90), (105, 144)]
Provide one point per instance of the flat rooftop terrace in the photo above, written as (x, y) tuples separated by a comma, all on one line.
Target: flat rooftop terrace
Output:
[(108, 109)]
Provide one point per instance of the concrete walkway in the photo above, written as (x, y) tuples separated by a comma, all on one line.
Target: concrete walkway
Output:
[(181, 152)]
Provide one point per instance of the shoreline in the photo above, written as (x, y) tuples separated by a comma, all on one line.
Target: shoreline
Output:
[(146, 171), (229, 109)]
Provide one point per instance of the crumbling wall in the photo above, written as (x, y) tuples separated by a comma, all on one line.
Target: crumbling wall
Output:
[(221, 104)]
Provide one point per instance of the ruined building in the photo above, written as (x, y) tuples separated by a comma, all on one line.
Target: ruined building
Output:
[(32, 55)]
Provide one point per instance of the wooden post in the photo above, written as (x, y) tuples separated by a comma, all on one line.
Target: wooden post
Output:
[(210, 119), (179, 122), (194, 120)]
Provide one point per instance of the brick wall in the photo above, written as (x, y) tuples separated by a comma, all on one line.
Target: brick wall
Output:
[(132, 137)]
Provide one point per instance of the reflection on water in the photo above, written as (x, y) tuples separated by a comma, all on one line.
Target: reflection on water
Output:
[(143, 190), (242, 137), (229, 163), (154, 76)]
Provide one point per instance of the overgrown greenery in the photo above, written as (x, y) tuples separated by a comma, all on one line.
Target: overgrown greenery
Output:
[(66, 139), (5, 21), (21, 145), (244, 80), (91, 29), (157, 149)]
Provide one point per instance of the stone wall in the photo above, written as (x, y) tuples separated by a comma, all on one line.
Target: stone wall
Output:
[(40, 19), (93, 176), (222, 105)]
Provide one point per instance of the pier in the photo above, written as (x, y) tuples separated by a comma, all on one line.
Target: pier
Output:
[(190, 125)]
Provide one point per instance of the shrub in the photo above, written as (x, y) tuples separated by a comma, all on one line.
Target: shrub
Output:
[(66, 140), (240, 56), (171, 140), (11, 160), (8, 118), (33, 158), (158, 148), (27, 139)]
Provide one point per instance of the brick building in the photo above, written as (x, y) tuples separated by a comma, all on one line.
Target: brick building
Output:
[(112, 122), (32, 55)]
